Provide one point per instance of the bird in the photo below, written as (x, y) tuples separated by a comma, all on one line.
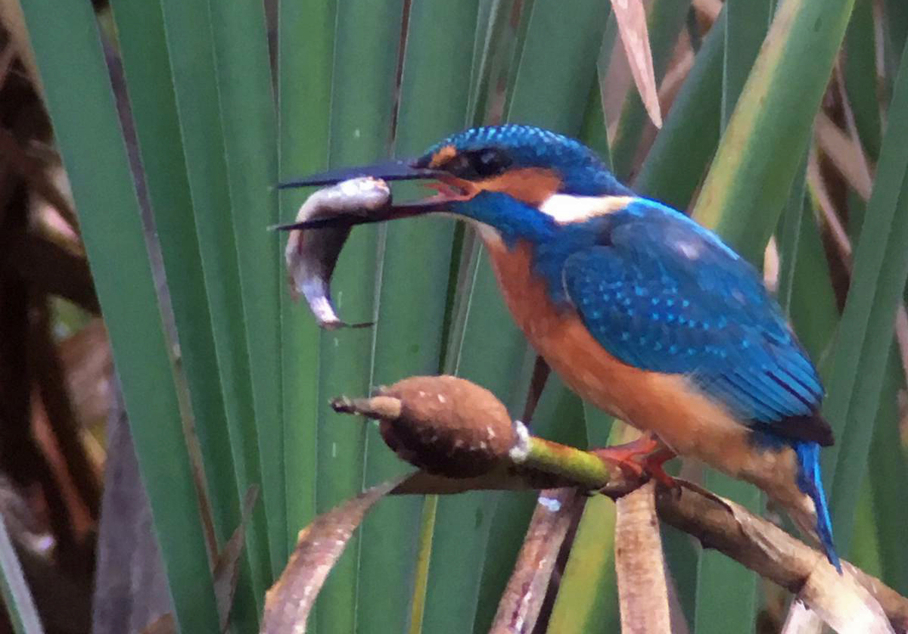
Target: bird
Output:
[(640, 310)]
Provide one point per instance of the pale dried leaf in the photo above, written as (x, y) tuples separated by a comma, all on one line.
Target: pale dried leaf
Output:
[(802, 620), (290, 599), (526, 589), (840, 600), (845, 154), (640, 565), (227, 568), (631, 18)]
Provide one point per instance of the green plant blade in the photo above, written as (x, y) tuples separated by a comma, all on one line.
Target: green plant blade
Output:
[(150, 84), (366, 42), (72, 66), (888, 471), (683, 148), (859, 70), (305, 63), (812, 306), (250, 145), (416, 271), (878, 281), (757, 159), (587, 598), (192, 60)]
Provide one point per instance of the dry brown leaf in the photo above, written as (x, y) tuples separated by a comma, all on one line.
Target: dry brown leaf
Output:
[(290, 599), (845, 154), (526, 589), (227, 568), (88, 365), (640, 565), (631, 18)]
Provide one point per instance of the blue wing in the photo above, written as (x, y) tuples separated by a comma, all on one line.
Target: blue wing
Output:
[(661, 293)]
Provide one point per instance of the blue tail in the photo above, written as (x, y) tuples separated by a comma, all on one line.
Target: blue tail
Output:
[(810, 481)]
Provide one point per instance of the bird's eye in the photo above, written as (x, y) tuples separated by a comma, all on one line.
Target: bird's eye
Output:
[(478, 165)]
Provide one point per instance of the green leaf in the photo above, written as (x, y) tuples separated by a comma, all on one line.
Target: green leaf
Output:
[(888, 471), (192, 59), (877, 284), (305, 63), (73, 70), (859, 71), (250, 144), (758, 156), (683, 148), (416, 271), (151, 93), (366, 42)]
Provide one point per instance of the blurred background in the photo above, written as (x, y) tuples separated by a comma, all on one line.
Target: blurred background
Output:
[(140, 142)]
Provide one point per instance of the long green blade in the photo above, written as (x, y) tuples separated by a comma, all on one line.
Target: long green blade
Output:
[(250, 143), (758, 156), (888, 471), (192, 59), (366, 43), (305, 63), (150, 85), (73, 70), (683, 148), (415, 276), (878, 281)]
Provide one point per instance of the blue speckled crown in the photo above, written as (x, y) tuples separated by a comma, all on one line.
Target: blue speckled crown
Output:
[(582, 171)]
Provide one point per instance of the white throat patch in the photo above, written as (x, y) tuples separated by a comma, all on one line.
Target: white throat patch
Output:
[(566, 209)]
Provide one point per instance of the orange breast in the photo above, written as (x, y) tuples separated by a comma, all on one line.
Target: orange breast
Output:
[(667, 404)]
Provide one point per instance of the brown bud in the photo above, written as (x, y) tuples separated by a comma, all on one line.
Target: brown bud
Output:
[(443, 424)]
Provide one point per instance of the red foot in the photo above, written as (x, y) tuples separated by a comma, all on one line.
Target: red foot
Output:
[(646, 455)]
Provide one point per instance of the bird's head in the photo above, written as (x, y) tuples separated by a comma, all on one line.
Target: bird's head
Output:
[(514, 178)]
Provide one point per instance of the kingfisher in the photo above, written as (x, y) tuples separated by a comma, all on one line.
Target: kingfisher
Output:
[(641, 311)]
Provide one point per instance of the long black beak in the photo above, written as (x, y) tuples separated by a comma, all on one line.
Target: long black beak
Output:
[(388, 171)]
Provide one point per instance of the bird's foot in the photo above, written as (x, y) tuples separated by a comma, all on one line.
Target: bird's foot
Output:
[(642, 457)]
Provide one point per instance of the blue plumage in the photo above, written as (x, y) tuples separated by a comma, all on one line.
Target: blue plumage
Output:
[(662, 293), (657, 291), (582, 171)]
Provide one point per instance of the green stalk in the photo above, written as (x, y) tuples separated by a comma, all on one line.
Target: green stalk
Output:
[(73, 70)]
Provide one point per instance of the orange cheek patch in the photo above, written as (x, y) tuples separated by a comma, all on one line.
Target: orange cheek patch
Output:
[(442, 156), (532, 185)]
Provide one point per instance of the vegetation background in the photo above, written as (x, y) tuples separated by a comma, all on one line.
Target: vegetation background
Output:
[(139, 147)]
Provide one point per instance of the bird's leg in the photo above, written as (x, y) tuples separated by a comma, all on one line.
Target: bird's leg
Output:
[(646, 455), (541, 371)]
